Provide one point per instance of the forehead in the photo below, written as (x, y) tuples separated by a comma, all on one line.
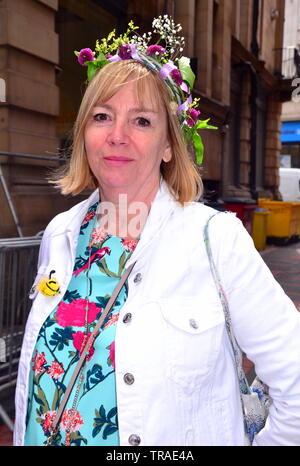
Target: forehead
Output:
[(140, 90)]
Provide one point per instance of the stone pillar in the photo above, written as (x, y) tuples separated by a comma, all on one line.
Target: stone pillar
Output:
[(245, 128), (222, 51), (185, 15), (246, 12), (203, 45), (28, 56), (273, 146)]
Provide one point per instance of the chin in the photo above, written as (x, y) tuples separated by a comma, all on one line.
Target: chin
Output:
[(117, 181)]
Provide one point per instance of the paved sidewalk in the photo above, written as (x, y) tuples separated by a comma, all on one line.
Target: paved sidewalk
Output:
[(284, 263)]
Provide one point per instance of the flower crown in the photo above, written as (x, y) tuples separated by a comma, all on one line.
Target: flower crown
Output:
[(165, 59)]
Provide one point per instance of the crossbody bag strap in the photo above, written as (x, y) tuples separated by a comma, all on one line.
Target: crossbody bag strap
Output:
[(88, 345), (244, 386)]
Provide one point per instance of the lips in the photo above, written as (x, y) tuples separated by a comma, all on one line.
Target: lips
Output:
[(117, 160)]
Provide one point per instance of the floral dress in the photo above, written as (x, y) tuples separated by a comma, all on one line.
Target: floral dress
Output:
[(60, 341)]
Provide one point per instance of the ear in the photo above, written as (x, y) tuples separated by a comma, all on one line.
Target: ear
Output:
[(167, 154)]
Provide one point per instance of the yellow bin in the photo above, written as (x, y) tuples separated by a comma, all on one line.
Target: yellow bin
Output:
[(284, 218), (260, 228)]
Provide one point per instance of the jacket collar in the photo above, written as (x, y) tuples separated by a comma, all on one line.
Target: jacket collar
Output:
[(162, 208)]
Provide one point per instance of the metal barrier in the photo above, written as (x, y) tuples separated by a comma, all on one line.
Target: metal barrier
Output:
[(18, 263)]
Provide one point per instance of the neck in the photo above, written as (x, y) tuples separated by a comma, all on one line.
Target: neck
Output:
[(123, 213)]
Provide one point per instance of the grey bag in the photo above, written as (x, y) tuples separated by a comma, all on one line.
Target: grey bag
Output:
[(255, 398)]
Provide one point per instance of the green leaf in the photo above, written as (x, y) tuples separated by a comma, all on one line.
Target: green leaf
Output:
[(186, 71), (91, 71), (202, 124), (102, 412), (38, 400), (96, 430), (111, 413), (199, 148), (109, 429), (122, 261), (76, 53)]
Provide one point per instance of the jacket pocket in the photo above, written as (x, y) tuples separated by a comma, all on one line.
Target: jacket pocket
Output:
[(193, 338)]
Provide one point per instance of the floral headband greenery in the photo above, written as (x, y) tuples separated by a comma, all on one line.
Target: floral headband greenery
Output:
[(165, 59)]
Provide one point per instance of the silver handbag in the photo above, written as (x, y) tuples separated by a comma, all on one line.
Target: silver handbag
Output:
[(255, 398)]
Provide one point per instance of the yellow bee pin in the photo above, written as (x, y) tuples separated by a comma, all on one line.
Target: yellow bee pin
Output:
[(48, 286)]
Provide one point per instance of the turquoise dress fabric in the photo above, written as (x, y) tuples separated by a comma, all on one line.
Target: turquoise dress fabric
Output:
[(94, 419)]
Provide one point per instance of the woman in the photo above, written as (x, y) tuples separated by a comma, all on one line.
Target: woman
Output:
[(161, 371)]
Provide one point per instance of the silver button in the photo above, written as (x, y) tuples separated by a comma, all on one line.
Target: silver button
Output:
[(127, 318), (138, 278), (193, 323), (128, 378), (134, 440)]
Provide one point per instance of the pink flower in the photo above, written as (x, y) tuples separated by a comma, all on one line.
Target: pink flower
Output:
[(125, 51), (113, 319), (129, 244), (112, 354), (193, 116), (155, 50), (47, 420), (71, 420), (39, 361), (79, 341), (176, 75), (85, 55), (55, 370), (88, 217), (98, 236), (73, 314)]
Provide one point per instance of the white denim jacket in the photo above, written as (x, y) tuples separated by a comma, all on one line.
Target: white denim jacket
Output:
[(185, 389)]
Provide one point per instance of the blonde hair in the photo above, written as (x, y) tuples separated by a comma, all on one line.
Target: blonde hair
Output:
[(180, 173)]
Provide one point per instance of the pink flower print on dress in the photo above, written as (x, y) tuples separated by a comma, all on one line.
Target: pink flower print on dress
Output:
[(79, 341), (98, 235), (47, 420), (113, 319), (88, 217), (129, 244), (39, 361), (112, 354), (74, 313), (55, 370), (71, 420)]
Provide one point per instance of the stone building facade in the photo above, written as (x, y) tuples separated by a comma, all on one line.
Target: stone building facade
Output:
[(290, 135), (235, 47)]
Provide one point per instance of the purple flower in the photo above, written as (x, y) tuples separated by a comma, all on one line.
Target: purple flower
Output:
[(85, 55), (176, 75), (125, 51), (108, 56), (193, 116), (155, 49)]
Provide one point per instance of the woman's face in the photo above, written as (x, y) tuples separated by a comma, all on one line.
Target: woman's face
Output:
[(125, 144)]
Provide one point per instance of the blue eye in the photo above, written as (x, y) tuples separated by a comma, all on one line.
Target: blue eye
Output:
[(143, 122)]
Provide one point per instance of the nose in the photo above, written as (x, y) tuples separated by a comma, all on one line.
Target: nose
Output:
[(118, 134)]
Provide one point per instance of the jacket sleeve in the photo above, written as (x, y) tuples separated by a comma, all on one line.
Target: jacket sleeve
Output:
[(266, 325)]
